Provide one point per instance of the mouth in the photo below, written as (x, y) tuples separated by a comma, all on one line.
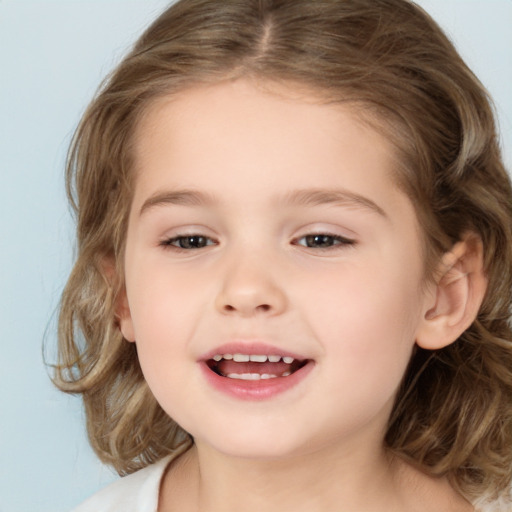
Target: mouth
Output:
[(254, 367), (254, 372)]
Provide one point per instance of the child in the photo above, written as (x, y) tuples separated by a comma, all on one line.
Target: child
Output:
[(293, 283)]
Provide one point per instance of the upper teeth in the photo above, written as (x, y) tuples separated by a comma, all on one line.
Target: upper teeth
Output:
[(257, 358)]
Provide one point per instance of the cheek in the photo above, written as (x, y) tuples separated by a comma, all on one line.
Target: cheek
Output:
[(168, 306), (365, 299), (164, 318), (366, 321), (163, 301)]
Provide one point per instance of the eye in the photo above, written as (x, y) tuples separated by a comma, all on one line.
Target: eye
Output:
[(188, 242), (323, 241)]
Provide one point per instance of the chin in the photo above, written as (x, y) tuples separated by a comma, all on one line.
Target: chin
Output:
[(255, 445)]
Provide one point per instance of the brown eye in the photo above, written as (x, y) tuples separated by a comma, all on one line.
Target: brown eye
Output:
[(189, 242), (323, 241), (319, 241)]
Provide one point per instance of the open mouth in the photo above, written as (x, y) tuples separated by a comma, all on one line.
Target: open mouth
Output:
[(252, 367)]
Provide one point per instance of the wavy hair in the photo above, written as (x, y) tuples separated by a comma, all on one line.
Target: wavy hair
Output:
[(453, 413)]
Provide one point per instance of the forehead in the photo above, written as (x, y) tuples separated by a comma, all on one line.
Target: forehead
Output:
[(259, 128)]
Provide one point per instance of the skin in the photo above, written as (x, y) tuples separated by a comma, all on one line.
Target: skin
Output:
[(355, 308)]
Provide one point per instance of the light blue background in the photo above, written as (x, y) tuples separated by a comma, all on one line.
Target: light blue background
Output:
[(53, 55)]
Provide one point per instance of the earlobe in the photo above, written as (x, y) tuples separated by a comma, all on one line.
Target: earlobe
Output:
[(124, 317), (457, 295), (122, 308)]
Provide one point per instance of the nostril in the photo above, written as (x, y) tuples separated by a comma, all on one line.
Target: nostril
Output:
[(262, 307)]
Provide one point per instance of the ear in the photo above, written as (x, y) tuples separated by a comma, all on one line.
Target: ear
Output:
[(456, 296), (124, 316), (122, 308)]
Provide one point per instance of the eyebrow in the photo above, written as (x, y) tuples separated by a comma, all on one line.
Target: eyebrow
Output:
[(306, 197), (177, 197), (317, 197)]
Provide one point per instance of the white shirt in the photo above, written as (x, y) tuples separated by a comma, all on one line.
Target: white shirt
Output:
[(137, 492)]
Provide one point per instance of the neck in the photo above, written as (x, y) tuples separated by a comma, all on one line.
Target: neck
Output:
[(330, 479)]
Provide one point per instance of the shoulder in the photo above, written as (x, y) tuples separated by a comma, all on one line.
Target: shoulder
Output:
[(137, 492), (502, 504), (426, 493)]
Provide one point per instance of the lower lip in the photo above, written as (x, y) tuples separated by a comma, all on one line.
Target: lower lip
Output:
[(263, 389)]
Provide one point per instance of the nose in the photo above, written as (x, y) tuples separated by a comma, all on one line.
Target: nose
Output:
[(249, 289)]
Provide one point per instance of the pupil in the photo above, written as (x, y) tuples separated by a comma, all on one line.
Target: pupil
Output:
[(319, 240), (193, 242)]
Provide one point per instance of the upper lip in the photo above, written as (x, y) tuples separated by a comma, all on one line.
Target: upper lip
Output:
[(250, 348)]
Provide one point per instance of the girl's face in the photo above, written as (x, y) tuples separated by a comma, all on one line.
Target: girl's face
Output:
[(268, 227)]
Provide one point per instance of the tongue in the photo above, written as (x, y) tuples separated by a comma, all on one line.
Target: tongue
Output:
[(226, 367)]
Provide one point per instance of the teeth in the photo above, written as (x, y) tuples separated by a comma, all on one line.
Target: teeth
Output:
[(241, 358), (253, 376), (256, 358)]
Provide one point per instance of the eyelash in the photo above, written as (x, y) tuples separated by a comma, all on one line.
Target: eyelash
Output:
[(176, 242), (337, 241), (196, 242)]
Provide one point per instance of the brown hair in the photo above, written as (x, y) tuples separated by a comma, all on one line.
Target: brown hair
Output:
[(453, 413)]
